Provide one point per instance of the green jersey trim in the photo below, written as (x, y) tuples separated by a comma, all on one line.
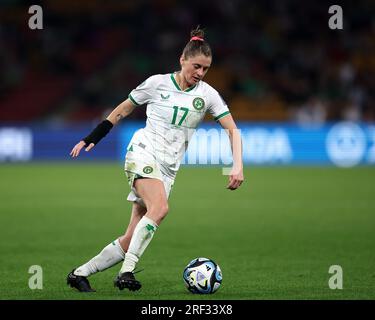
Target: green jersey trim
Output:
[(222, 115), (132, 100), (178, 87)]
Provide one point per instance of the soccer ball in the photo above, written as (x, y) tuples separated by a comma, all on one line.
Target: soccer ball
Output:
[(203, 276)]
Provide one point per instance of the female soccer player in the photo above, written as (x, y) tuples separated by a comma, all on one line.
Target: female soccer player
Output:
[(176, 104)]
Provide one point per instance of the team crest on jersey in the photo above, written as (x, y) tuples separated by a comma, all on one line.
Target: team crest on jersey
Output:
[(147, 169), (198, 103)]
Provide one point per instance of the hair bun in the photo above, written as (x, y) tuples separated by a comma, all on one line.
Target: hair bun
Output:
[(197, 32), (196, 38), (197, 45)]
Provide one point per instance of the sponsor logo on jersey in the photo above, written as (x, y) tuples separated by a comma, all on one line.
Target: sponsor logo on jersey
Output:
[(198, 103), (165, 97), (147, 169)]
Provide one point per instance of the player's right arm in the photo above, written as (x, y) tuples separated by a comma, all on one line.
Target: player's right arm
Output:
[(121, 111)]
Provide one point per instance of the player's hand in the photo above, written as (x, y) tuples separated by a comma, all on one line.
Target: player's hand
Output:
[(78, 147), (235, 179)]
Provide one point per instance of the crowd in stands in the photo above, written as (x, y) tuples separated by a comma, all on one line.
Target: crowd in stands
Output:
[(272, 60)]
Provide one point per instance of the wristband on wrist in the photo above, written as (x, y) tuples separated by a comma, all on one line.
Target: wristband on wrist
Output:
[(98, 133)]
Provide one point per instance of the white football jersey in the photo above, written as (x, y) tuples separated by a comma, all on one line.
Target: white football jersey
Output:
[(173, 115)]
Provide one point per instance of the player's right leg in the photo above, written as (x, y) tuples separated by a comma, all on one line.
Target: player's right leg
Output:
[(108, 257), (153, 194)]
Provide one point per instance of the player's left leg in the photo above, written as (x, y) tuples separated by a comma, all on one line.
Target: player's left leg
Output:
[(138, 212), (153, 193)]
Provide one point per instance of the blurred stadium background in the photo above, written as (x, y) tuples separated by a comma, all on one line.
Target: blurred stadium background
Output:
[(273, 62), (303, 95)]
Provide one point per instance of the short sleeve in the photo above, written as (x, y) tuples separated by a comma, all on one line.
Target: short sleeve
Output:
[(143, 93), (217, 106)]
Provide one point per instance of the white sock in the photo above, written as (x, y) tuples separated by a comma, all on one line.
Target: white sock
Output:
[(143, 233), (108, 257)]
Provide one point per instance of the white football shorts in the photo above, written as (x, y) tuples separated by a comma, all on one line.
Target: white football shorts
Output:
[(141, 163)]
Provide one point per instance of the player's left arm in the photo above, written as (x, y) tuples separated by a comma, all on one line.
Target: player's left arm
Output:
[(236, 175)]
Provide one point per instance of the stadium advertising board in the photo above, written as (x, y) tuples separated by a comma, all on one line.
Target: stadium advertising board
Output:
[(342, 144)]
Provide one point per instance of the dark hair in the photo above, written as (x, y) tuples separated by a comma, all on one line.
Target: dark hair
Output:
[(195, 47)]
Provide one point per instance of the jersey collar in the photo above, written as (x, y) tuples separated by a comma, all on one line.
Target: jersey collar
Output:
[(178, 87)]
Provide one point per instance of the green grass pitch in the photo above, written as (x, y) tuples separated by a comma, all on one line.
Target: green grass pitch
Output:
[(274, 238)]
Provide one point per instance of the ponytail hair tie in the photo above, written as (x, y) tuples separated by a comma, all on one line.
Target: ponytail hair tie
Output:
[(197, 38)]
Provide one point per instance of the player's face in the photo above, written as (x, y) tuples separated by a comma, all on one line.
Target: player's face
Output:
[(195, 68)]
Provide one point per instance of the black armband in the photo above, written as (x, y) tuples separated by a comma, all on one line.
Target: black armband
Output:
[(99, 132)]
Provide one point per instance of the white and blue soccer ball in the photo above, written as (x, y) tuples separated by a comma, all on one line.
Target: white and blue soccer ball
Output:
[(203, 276)]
